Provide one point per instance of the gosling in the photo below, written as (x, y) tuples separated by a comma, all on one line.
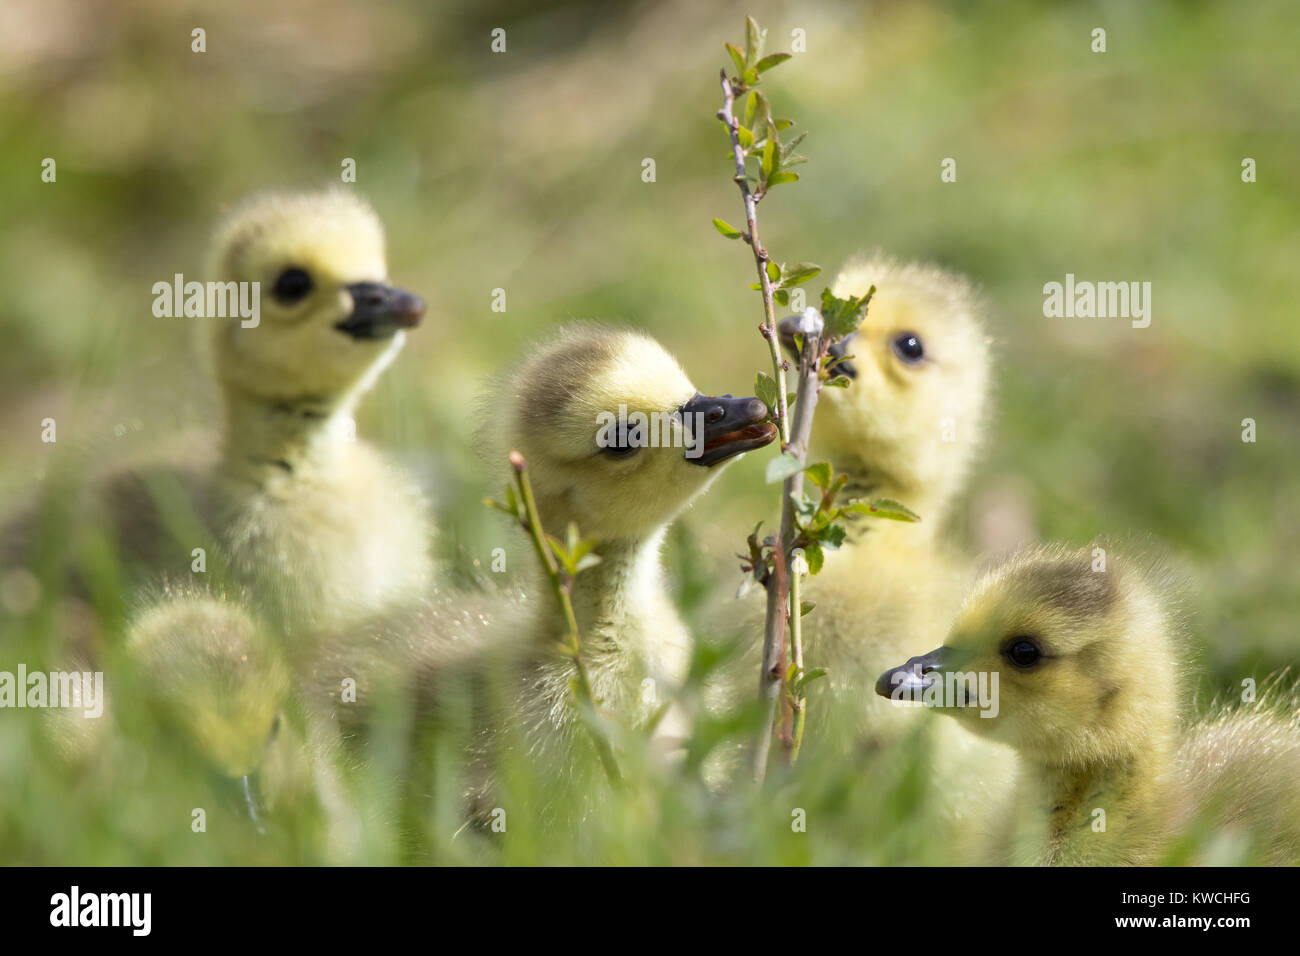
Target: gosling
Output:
[(1085, 651), (907, 428), (593, 467), (292, 510)]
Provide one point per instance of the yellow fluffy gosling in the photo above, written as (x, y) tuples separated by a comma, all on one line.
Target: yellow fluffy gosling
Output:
[(906, 428), (1086, 658), (623, 493), (310, 520)]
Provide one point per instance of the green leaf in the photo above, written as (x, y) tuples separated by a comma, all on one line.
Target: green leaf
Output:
[(762, 116), (773, 271), (843, 316), (807, 677), (587, 561), (884, 508), (562, 555), (751, 106), (749, 78), (788, 148), (744, 137), (782, 297), (737, 58), (781, 124), (799, 274), (727, 229), (813, 553), (771, 60), (782, 467), (781, 178), (753, 41), (839, 381), (819, 473), (805, 607), (832, 536), (804, 507), (765, 389), (769, 157)]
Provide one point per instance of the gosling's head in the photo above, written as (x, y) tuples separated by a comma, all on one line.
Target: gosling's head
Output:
[(329, 320), (913, 415), (616, 437), (216, 674), (1082, 650)]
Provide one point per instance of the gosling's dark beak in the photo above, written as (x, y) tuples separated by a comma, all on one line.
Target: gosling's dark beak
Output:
[(379, 310), (729, 426), (909, 681), (786, 332)]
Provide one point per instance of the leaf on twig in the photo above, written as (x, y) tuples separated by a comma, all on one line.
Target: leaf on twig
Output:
[(769, 158), (799, 274), (737, 58), (771, 60), (782, 467), (884, 508), (753, 41), (819, 473), (779, 178), (816, 558), (843, 316), (727, 229), (765, 389)]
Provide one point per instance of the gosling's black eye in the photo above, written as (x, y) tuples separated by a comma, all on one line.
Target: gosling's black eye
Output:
[(1023, 652), (625, 445), (292, 285), (908, 347)]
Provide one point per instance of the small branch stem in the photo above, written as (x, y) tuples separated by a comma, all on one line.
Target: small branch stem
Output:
[(796, 647), (773, 675), (728, 116), (573, 641)]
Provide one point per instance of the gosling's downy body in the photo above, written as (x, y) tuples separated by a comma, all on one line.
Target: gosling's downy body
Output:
[(219, 681), (217, 673), (1086, 652)]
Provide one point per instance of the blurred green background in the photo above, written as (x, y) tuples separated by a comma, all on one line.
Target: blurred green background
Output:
[(522, 171)]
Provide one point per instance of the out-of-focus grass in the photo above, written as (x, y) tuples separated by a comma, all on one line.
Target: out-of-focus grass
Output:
[(522, 171)]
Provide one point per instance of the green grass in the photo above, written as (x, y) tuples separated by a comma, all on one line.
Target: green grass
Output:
[(522, 171)]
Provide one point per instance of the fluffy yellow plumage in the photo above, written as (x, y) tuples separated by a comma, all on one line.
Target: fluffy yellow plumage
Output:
[(1086, 653)]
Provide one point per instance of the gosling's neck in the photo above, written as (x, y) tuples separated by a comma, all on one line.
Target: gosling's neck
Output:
[(617, 601), (1133, 787), (625, 614), (267, 440), (866, 482)]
